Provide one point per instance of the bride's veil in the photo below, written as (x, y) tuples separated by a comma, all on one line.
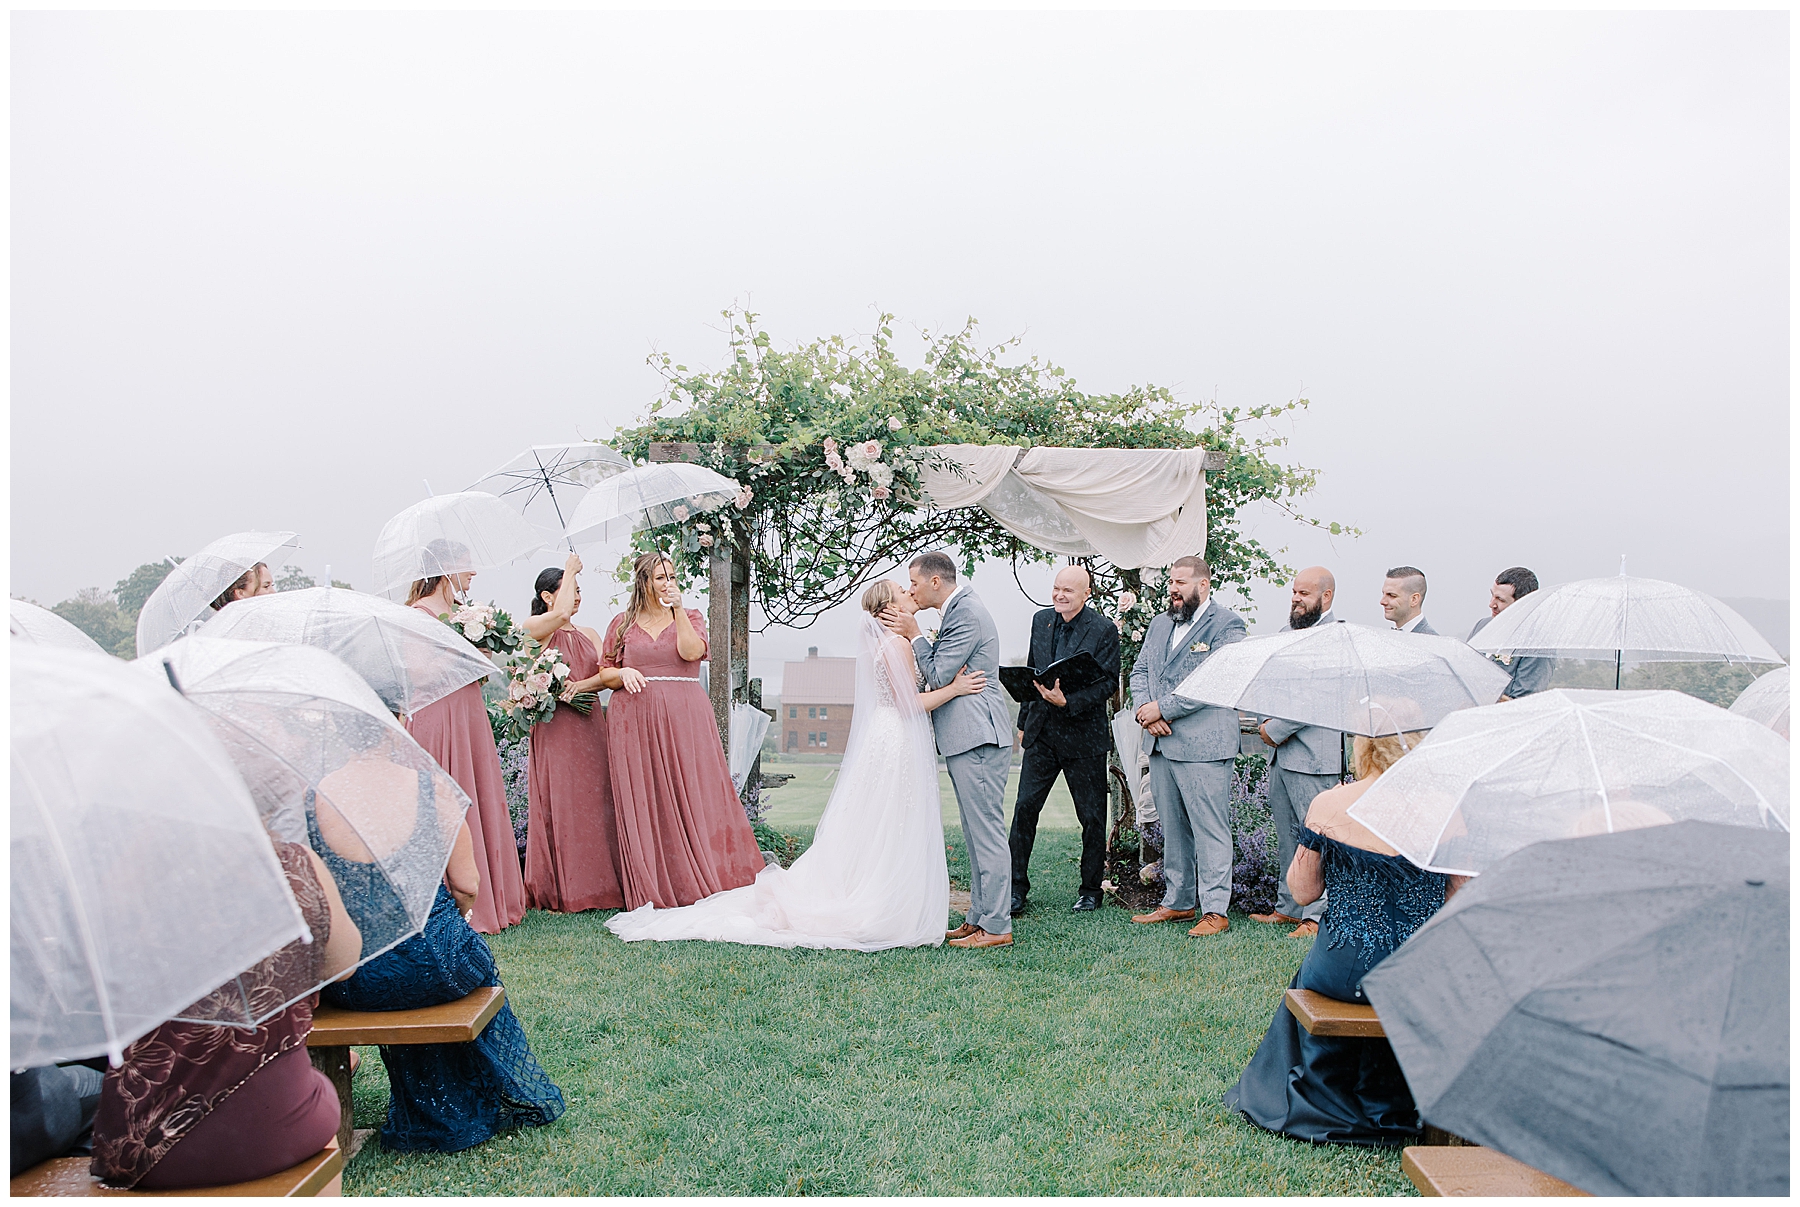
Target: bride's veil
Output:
[(885, 680)]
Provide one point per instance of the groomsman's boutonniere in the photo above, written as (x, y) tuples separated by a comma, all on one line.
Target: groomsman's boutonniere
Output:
[(1199, 647), (932, 636)]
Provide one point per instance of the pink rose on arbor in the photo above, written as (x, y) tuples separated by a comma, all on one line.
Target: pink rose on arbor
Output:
[(881, 492), (1127, 601), (894, 423), (743, 499), (680, 513)]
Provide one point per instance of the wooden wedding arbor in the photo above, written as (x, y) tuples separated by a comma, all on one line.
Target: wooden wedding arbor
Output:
[(1077, 503)]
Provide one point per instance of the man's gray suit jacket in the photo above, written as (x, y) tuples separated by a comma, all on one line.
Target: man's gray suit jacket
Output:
[(1424, 626), (1308, 749), (1199, 733), (966, 637), (1528, 674)]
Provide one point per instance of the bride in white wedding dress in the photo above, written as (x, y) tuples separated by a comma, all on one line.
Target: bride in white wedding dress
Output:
[(874, 876)]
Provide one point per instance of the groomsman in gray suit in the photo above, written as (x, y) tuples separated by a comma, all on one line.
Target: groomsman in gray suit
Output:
[(1308, 759), (1192, 749), (1403, 600), (974, 734), (1528, 674)]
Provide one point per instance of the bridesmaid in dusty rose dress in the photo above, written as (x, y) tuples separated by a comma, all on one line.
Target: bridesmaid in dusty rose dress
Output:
[(455, 732), (570, 859), (682, 832)]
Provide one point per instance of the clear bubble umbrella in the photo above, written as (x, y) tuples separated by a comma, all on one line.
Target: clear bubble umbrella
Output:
[(1624, 619), (329, 766), (648, 497), (187, 594), (1766, 701), (142, 877), (1562, 764), (447, 534), (1348, 678), (408, 658), (33, 625), (551, 478)]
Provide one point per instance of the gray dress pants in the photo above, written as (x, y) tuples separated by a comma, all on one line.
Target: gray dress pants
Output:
[(1193, 802), (1290, 796), (979, 777)]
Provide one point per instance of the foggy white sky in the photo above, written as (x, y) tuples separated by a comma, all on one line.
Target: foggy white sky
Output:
[(272, 271)]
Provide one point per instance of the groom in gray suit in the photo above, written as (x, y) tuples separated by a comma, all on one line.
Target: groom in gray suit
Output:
[(974, 734), (1192, 749)]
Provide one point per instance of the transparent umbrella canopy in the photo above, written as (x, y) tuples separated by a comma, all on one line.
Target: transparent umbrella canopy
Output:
[(33, 625), (328, 765), (1624, 619), (1348, 678), (142, 876), (187, 594), (648, 497), (546, 480), (409, 659), (448, 534), (1563, 764), (1766, 701)]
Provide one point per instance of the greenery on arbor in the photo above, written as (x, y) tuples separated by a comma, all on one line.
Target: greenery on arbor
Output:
[(830, 437)]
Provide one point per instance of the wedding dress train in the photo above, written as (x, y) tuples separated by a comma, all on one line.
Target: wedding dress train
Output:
[(874, 876)]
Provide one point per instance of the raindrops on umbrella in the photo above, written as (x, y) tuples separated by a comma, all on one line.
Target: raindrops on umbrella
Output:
[(649, 496), (188, 593), (449, 534), (1766, 701), (408, 658), (33, 625), (1562, 764), (142, 876)]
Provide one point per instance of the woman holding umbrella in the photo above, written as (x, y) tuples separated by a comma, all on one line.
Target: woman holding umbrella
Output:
[(455, 732), (682, 833), (1332, 1089), (571, 860)]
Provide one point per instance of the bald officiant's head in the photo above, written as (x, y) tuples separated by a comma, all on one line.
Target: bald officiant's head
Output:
[(1069, 593), (1313, 589)]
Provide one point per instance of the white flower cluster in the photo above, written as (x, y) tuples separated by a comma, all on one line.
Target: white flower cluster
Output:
[(474, 619), (866, 457)]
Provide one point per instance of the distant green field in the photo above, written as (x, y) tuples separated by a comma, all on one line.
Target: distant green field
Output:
[(802, 800)]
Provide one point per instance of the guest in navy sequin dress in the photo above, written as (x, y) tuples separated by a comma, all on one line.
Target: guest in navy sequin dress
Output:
[(442, 1097), (1325, 1088)]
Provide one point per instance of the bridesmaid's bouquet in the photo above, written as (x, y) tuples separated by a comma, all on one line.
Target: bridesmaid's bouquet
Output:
[(535, 680), (487, 627)]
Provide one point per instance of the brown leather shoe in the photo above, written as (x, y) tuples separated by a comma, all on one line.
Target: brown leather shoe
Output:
[(1308, 927), (1274, 915), (982, 938), (1211, 924), (1163, 913), (963, 931)]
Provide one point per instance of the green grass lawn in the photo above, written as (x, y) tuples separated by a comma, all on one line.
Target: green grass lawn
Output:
[(1086, 1059)]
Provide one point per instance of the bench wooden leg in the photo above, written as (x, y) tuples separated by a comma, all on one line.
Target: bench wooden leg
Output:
[(335, 1064)]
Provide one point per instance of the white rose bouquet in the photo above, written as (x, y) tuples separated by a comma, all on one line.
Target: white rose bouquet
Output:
[(487, 627)]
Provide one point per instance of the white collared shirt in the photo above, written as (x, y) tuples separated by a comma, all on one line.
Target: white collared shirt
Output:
[(1182, 630), (1412, 624)]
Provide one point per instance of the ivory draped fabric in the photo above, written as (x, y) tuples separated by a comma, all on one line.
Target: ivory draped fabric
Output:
[(1135, 507)]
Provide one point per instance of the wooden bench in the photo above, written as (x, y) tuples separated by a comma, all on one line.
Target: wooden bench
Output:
[(68, 1177), (1471, 1172), (1323, 1015), (336, 1031)]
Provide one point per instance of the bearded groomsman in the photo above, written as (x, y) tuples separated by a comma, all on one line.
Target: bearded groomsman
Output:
[(1308, 759), (1192, 749)]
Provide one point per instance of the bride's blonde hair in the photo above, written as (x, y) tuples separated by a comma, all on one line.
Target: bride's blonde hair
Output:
[(880, 594)]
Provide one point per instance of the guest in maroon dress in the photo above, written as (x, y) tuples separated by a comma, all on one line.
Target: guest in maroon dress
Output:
[(570, 859), (455, 732), (194, 1105), (682, 832)]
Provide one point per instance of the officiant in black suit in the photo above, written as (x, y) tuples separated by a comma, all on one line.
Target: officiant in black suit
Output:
[(1066, 733)]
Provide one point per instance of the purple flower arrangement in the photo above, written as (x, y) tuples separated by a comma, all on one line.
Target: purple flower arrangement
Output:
[(1255, 867)]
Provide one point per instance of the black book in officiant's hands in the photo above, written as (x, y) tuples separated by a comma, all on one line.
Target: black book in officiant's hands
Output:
[(1075, 673)]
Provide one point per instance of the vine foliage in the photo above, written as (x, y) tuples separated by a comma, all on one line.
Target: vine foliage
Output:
[(829, 439)]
